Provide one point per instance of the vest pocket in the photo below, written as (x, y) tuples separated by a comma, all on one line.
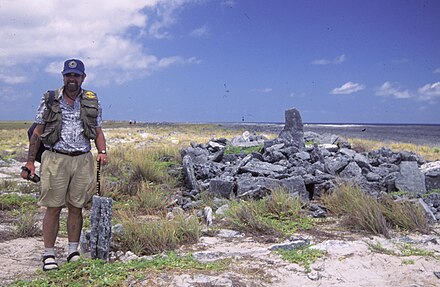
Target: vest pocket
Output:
[(89, 115), (51, 131), (52, 126)]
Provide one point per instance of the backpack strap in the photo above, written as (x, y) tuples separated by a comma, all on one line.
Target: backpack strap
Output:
[(50, 99)]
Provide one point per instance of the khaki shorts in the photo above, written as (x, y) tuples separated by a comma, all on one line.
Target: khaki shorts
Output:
[(66, 179)]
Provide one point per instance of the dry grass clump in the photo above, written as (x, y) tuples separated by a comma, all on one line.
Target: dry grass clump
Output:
[(26, 224), (405, 214), (131, 166), (276, 215), (246, 216), (363, 212), (147, 237), (151, 199)]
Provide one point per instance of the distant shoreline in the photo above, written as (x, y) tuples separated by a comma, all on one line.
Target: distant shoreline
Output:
[(418, 134)]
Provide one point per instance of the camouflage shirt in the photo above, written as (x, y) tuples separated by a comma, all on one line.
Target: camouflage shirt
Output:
[(72, 131)]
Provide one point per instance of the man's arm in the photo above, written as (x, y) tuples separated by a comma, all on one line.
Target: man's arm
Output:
[(34, 145), (101, 146)]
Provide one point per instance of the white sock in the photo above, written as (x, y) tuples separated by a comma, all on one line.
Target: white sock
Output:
[(73, 246), (49, 251)]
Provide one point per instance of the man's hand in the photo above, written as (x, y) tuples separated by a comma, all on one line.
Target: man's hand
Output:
[(31, 167), (103, 158)]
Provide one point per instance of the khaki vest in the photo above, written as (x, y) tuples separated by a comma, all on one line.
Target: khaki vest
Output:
[(52, 117)]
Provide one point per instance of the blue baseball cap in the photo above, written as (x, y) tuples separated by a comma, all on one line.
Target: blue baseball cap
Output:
[(74, 66)]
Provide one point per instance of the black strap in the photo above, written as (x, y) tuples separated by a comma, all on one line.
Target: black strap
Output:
[(50, 99)]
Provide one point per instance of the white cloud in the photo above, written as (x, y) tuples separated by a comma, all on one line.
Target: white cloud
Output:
[(105, 34), (265, 90), (9, 79), (200, 32), (393, 90), (176, 60), (429, 91), (229, 3), (437, 71), (338, 60), (348, 88), (297, 95)]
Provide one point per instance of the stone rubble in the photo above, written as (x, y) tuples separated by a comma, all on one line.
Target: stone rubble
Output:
[(306, 164)]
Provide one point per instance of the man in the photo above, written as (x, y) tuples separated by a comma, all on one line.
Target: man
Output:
[(66, 127)]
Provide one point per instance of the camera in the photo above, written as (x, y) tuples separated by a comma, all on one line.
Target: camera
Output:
[(35, 178)]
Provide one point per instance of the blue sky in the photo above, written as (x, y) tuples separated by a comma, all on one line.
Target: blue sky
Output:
[(221, 61)]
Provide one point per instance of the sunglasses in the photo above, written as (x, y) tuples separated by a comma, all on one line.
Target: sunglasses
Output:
[(72, 75)]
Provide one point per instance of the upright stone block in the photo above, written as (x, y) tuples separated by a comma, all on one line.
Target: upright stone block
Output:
[(101, 228), (293, 132)]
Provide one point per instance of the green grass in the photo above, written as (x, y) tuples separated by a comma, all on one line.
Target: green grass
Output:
[(378, 248), (409, 250), (230, 149), (434, 191), (9, 201), (408, 262), (88, 272), (303, 256), (403, 250)]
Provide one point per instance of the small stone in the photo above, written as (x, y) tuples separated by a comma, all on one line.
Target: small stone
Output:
[(314, 276)]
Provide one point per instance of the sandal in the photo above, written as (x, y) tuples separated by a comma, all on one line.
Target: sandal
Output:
[(74, 256), (49, 263)]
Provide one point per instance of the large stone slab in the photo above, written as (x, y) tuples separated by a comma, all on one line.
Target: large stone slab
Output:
[(296, 187), (410, 178), (261, 168), (255, 187), (221, 188)]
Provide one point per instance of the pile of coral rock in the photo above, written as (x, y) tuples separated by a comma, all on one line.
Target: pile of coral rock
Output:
[(306, 164)]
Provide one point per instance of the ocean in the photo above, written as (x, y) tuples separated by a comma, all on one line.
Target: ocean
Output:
[(419, 134)]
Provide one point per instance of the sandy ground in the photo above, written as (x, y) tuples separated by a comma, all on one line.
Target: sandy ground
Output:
[(347, 262)]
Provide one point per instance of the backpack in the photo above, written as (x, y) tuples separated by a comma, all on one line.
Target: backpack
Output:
[(31, 129)]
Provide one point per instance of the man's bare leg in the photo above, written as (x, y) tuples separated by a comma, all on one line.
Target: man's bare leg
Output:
[(74, 226)]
